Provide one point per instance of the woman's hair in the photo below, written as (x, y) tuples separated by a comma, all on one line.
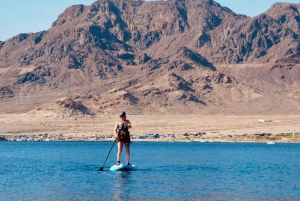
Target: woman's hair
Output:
[(122, 114)]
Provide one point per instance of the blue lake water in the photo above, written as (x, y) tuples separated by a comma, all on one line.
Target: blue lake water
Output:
[(166, 171)]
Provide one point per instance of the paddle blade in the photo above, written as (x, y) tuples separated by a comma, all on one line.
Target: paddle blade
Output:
[(101, 169)]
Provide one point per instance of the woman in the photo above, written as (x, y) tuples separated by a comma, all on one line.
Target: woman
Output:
[(123, 137)]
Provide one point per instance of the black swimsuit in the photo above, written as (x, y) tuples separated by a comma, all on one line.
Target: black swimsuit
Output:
[(123, 133)]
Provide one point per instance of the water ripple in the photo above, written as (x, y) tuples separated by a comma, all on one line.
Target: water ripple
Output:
[(166, 171)]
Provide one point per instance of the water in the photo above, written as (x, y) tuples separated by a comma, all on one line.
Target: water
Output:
[(166, 171)]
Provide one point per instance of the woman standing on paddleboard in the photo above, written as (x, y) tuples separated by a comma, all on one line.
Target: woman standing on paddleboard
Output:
[(123, 137)]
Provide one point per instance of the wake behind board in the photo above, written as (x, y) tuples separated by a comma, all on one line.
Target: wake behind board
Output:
[(123, 167)]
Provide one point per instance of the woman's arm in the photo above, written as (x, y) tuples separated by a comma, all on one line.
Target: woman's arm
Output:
[(128, 124), (116, 129)]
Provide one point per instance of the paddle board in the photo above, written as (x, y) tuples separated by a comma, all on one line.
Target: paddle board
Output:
[(123, 167)]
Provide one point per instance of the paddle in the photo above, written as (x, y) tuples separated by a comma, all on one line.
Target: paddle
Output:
[(101, 169)]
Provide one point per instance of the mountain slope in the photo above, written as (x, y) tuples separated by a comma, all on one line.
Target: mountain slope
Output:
[(177, 56)]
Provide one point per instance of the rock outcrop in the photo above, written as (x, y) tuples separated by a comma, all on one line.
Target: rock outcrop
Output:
[(64, 109)]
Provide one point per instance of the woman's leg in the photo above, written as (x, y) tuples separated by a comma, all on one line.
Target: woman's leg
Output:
[(127, 145), (120, 147)]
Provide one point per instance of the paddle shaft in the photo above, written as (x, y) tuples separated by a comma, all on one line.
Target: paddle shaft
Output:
[(108, 154)]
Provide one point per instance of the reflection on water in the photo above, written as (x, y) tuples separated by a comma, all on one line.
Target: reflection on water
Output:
[(121, 184), (166, 171)]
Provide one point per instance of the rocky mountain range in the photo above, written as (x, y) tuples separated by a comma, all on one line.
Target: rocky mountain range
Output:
[(175, 57)]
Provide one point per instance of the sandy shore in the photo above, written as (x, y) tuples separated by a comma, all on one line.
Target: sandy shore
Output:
[(214, 125)]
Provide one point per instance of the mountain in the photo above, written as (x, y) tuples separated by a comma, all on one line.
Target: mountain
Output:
[(177, 56), (287, 15)]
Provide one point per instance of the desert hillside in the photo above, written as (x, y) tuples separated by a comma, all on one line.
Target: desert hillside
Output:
[(163, 57)]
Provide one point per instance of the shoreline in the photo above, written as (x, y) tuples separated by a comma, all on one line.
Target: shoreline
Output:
[(165, 140), (261, 142), (217, 127)]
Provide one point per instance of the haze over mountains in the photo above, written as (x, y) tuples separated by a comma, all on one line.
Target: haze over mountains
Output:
[(177, 56)]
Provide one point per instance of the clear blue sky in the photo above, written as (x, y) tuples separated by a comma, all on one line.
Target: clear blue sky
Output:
[(24, 16)]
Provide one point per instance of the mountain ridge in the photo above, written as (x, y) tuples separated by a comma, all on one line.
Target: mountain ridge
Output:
[(152, 57)]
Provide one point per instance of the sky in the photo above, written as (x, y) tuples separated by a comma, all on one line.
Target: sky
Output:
[(30, 16)]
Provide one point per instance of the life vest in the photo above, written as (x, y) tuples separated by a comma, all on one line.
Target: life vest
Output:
[(123, 133)]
